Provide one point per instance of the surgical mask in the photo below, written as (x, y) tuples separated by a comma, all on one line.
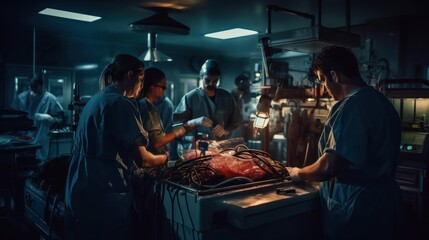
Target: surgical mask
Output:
[(210, 82)]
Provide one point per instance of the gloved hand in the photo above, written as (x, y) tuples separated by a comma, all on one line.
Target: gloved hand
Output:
[(293, 173), (43, 117), (201, 121), (219, 131), (179, 131)]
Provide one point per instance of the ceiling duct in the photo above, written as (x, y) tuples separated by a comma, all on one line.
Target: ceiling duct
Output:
[(158, 23), (152, 54)]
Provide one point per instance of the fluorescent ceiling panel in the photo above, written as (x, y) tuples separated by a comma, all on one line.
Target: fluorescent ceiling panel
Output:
[(289, 54), (69, 15), (231, 33), (86, 66)]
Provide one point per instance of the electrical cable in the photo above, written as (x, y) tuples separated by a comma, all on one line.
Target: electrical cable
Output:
[(190, 217), (157, 208), (52, 216), (183, 218), (197, 173), (162, 195), (273, 171), (172, 210), (226, 181), (46, 210)]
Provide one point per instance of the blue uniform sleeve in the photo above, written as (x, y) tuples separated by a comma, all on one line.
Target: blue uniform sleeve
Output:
[(124, 122), (183, 111), (55, 109), (19, 102), (167, 116), (348, 133)]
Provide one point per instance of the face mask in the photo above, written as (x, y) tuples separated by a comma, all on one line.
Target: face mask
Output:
[(210, 82), (210, 87), (36, 93)]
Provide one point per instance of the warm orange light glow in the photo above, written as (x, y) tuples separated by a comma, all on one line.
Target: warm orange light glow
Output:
[(178, 5)]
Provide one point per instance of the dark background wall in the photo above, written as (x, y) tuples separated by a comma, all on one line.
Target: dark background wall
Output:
[(54, 51), (402, 42)]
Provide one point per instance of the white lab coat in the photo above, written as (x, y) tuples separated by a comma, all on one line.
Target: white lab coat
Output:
[(365, 201), (46, 103)]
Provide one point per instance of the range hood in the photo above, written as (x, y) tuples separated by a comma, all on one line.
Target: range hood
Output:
[(159, 22), (152, 54), (311, 39)]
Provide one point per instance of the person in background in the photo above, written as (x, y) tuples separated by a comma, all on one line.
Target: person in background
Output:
[(209, 101), (243, 99), (110, 141), (166, 109), (358, 152), (44, 108), (153, 89), (241, 92)]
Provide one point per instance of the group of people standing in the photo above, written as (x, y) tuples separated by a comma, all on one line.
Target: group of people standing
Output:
[(208, 110), (122, 128)]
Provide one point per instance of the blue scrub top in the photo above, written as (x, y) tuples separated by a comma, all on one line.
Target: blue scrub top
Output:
[(222, 110), (45, 103), (97, 189), (363, 128), (165, 108)]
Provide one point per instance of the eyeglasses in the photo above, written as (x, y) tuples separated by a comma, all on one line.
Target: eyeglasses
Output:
[(161, 86)]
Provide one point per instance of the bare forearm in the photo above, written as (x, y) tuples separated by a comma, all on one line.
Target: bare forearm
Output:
[(164, 140), (325, 168), (315, 172), (151, 160), (57, 119)]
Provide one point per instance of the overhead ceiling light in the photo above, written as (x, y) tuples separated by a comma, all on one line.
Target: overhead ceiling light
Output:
[(289, 54), (231, 33), (152, 54), (86, 66), (69, 15)]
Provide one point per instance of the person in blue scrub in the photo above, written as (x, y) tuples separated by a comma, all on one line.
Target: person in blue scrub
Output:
[(209, 101), (358, 152), (166, 109), (244, 103), (110, 143), (154, 86), (44, 108)]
